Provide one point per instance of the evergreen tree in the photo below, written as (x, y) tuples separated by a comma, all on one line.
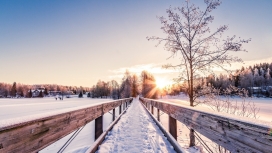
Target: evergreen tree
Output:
[(80, 95), (30, 93), (89, 94), (40, 94), (45, 91), (13, 90)]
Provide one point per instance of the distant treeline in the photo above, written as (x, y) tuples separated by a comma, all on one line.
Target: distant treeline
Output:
[(255, 79), (23, 90), (130, 86)]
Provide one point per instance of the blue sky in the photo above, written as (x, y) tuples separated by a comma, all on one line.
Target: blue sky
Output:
[(79, 42)]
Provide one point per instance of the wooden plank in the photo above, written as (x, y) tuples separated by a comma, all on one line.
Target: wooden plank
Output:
[(98, 127), (113, 114), (158, 114), (34, 135), (120, 109), (172, 125), (234, 135), (124, 107)]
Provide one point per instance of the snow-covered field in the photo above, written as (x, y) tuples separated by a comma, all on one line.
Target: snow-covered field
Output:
[(265, 105), (11, 108), (29, 108)]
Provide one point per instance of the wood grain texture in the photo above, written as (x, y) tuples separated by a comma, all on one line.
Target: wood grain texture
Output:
[(98, 127), (172, 126), (35, 135), (234, 135)]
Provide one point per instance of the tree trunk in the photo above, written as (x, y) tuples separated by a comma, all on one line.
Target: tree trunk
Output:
[(192, 138), (191, 95)]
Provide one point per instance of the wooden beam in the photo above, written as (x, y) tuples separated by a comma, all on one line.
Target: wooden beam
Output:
[(113, 114), (234, 135), (124, 106), (98, 127), (34, 135), (172, 124), (158, 114), (120, 109)]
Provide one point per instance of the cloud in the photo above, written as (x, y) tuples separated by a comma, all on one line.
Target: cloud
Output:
[(252, 62), (157, 70), (235, 66), (152, 68), (137, 69)]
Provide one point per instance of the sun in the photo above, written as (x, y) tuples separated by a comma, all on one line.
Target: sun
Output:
[(161, 83)]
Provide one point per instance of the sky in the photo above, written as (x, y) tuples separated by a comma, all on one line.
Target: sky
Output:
[(79, 42)]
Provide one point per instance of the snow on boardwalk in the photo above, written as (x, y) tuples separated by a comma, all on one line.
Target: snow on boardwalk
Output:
[(135, 132)]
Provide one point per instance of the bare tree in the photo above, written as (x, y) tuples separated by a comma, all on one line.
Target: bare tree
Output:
[(134, 85), (115, 93), (189, 35), (148, 82), (125, 87)]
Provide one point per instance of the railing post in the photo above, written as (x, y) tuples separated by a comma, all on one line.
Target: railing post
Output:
[(98, 127), (192, 138), (124, 106), (158, 114), (113, 114), (120, 109), (172, 124), (152, 109)]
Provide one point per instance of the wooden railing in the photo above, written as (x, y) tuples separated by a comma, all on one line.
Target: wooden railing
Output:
[(34, 135), (234, 135)]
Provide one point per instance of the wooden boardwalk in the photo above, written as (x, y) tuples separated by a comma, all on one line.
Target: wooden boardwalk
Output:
[(230, 133), (136, 132)]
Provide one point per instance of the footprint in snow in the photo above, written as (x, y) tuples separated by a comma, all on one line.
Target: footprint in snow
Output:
[(162, 144)]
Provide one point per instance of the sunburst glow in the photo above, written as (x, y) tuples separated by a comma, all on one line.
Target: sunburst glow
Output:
[(161, 82)]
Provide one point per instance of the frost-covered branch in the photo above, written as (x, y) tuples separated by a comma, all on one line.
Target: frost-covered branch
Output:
[(188, 34)]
